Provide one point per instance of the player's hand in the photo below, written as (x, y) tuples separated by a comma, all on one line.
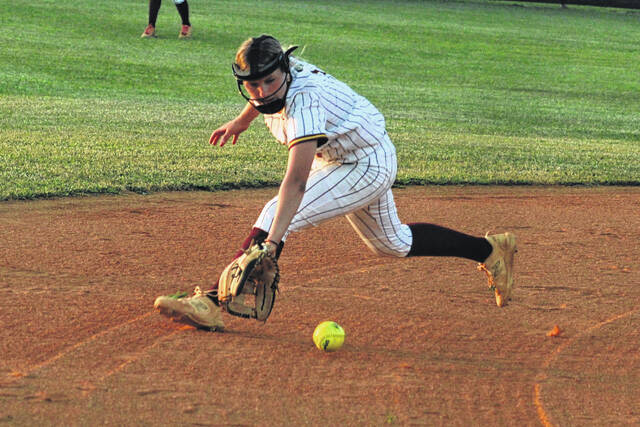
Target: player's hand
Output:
[(229, 130)]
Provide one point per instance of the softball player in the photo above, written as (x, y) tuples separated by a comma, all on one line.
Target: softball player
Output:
[(183, 10), (341, 163)]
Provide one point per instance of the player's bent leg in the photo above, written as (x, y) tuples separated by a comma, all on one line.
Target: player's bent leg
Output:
[(499, 265), (378, 225), (380, 228), (197, 310)]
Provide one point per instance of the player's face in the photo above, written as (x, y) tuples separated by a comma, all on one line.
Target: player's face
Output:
[(268, 88)]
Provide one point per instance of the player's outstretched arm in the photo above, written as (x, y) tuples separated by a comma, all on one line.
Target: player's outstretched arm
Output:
[(235, 127), (292, 188)]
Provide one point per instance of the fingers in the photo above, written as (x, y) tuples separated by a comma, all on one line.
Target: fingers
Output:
[(224, 139), (221, 136), (214, 137)]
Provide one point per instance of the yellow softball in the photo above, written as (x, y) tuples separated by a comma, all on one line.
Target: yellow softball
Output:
[(328, 336)]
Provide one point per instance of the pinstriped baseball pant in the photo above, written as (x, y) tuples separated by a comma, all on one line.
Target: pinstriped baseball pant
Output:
[(360, 191)]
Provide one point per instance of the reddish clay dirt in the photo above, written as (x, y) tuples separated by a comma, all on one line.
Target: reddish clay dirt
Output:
[(81, 344)]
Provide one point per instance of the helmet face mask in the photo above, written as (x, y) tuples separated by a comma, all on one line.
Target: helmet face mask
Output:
[(268, 104)]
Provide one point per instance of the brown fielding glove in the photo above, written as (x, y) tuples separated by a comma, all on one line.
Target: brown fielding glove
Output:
[(254, 274)]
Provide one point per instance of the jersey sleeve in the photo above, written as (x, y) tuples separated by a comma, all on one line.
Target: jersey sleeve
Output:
[(306, 120)]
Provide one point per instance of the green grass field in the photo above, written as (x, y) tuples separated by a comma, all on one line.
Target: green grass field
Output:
[(473, 91)]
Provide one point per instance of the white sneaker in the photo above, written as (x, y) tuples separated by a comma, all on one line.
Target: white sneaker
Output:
[(197, 310)]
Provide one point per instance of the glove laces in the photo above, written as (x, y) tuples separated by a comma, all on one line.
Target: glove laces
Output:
[(490, 282)]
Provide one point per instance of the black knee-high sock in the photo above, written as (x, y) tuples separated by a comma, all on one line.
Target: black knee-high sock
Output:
[(154, 7), (434, 240), (183, 10)]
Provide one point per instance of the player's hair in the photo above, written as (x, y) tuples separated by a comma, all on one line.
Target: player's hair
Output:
[(269, 49)]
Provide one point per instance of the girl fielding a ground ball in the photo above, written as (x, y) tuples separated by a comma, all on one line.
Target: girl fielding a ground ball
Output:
[(341, 163)]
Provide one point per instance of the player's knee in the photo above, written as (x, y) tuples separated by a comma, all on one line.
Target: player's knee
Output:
[(387, 251)]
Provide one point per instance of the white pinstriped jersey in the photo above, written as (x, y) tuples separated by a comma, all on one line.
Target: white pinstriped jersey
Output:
[(357, 165), (321, 107)]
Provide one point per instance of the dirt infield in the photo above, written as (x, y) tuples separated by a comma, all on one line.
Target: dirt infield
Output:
[(81, 344)]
